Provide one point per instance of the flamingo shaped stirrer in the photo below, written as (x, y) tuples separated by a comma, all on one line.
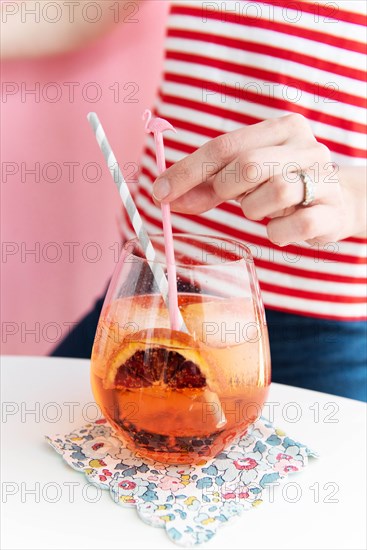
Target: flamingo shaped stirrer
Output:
[(157, 126)]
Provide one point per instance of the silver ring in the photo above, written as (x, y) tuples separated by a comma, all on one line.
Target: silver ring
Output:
[(309, 188)]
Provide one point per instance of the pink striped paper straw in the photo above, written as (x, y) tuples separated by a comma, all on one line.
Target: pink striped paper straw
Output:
[(157, 126)]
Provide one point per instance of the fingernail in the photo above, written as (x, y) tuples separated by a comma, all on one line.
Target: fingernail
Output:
[(161, 189)]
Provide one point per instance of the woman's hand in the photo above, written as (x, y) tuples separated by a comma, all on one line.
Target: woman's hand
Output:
[(259, 167)]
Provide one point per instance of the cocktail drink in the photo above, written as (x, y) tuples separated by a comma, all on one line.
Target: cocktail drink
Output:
[(183, 396)]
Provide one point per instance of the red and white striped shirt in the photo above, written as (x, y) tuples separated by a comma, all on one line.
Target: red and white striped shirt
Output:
[(234, 63)]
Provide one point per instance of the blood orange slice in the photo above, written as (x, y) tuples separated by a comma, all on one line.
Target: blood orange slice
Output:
[(159, 357)]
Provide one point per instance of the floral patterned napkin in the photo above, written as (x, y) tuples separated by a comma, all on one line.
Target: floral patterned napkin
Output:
[(189, 502)]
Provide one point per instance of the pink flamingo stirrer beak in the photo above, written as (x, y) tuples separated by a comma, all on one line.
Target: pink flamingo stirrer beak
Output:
[(157, 126)]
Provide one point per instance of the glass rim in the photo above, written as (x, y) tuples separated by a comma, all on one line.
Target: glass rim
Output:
[(248, 258)]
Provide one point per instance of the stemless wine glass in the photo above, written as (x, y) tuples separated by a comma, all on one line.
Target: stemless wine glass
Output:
[(182, 396)]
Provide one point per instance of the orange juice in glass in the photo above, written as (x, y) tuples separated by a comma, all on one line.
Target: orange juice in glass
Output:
[(182, 397)]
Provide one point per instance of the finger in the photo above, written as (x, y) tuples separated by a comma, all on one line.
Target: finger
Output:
[(303, 225), (277, 196), (283, 212), (254, 167), (217, 153), (196, 201)]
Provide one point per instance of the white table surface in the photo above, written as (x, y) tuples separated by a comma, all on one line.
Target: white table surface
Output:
[(322, 507)]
